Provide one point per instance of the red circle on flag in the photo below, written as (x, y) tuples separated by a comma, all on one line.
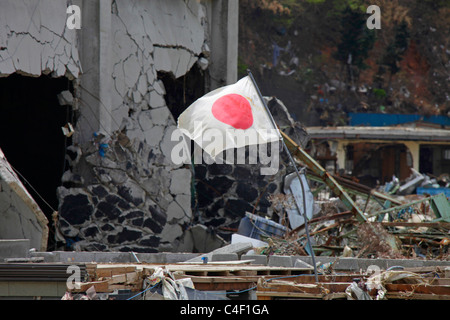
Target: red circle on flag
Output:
[(234, 110)]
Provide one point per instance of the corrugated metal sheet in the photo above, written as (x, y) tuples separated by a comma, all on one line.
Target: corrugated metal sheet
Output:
[(38, 272)]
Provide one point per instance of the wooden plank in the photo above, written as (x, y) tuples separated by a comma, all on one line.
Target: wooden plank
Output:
[(417, 224), (260, 295), (196, 273), (133, 277), (225, 286), (221, 283), (132, 287), (327, 278), (426, 269), (277, 294), (121, 275), (233, 262), (418, 288), (245, 273), (211, 269), (332, 296), (107, 271), (90, 270), (322, 288), (416, 296), (99, 286), (440, 281), (120, 278)]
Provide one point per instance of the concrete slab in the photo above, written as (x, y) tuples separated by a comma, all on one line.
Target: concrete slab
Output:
[(20, 216), (302, 264), (238, 248), (357, 264), (224, 257), (280, 261), (165, 257), (259, 259), (14, 248), (229, 253)]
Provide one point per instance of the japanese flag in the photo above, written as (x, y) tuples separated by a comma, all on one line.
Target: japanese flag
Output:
[(232, 116)]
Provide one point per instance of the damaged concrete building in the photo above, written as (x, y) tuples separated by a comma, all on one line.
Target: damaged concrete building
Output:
[(375, 154), (86, 114)]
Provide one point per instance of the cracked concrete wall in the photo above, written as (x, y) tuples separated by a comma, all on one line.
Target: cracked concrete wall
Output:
[(223, 29), (123, 192), (150, 37), (34, 39)]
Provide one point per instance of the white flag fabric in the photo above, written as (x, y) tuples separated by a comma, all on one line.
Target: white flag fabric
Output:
[(232, 116)]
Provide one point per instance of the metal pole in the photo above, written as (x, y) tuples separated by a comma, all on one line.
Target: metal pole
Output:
[(296, 170)]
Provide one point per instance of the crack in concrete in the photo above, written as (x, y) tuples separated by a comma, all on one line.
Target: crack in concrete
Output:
[(178, 47)]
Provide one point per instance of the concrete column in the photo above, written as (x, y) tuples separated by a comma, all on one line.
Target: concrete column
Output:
[(105, 68), (95, 82), (414, 149), (341, 154), (224, 29)]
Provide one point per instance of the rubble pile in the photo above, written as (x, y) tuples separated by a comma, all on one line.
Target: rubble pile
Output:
[(398, 224), (418, 182), (227, 280), (386, 285), (374, 238), (407, 233), (389, 223)]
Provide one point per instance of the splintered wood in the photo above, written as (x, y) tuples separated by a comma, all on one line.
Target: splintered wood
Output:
[(227, 276), (432, 283), (107, 278), (426, 284)]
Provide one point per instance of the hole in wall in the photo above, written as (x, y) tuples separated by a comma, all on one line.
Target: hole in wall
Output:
[(183, 91), (31, 136)]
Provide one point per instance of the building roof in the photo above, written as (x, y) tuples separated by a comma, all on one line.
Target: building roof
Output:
[(379, 133), (389, 119)]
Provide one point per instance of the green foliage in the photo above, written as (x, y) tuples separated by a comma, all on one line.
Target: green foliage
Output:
[(242, 67), (354, 5), (435, 4), (295, 5), (379, 93), (396, 49), (356, 39), (315, 1)]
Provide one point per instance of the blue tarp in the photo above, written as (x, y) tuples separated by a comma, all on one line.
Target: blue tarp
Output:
[(384, 119), (433, 191)]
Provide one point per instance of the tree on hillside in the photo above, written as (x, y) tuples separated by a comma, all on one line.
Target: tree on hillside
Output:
[(396, 49), (356, 40)]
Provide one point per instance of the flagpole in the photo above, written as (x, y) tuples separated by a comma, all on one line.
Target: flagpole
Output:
[(291, 159)]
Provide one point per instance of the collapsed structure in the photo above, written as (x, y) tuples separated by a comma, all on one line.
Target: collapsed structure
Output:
[(104, 100), (115, 100)]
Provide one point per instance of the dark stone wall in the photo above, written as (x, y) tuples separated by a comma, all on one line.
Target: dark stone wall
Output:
[(224, 192)]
